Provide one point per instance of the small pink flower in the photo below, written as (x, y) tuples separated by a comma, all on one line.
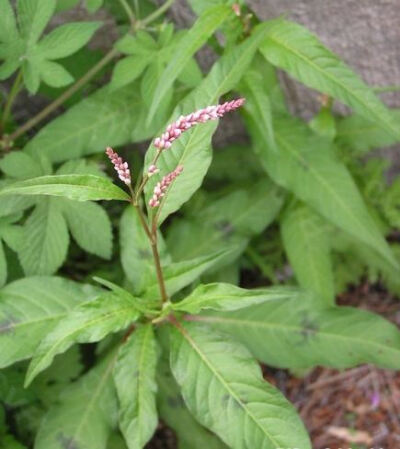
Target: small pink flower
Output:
[(161, 187), (236, 9), (120, 166), (174, 130), (152, 170)]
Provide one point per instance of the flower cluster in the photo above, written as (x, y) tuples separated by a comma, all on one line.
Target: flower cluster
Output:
[(214, 112), (120, 166), (162, 186)]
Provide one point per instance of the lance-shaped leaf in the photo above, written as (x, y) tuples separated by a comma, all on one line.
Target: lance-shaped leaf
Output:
[(134, 376), (192, 149), (301, 334), (84, 414), (173, 411), (87, 323), (223, 387), (197, 36), (29, 310), (136, 253), (74, 187), (224, 297), (361, 135), (180, 274), (293, 48), (306, 165), (103, 119), (306, 242), (225, 223)]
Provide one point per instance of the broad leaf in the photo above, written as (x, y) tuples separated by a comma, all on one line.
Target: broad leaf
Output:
[(103, 119), (173, 411), (45, 239), (134, 376), (85, 413), (30, 308), (87, 323), (226, 297), (196, 37), (136, 253), (224, 389), (192, 149), (180, 274), (306, 242), (3, 265), (361, 135), (225, 223), (74, 187), (66, 39), (90, 227), (302, 335), (293, 48), (306, 165), (127, 70), (33, 16)]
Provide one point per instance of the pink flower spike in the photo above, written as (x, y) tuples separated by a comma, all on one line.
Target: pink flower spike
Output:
[(161, 187), (120, 166), (174, 130)]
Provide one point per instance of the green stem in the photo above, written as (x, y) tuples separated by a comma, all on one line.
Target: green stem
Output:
[(152, 236), (64, 97), (129, 12), (158, 12), (10, 100), (259, 263)]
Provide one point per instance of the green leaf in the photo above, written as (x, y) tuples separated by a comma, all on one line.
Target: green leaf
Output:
[(173, 411), (90, 227), (103, 119), (293, 48), (45, 241), (225, 223), (30, 308), (192, 149), (226, 297), (84, 414), (306, 165), (136, 253), (361, 135), (180, 274), (66, 39), (31, 76), (302, 335), (87, 323), (196, 37), (3, 265), (20, 165), (224, 389), (74, 187), (54, 74), (8, 26), (324, 124), (93, 5), (33, 16), (253, 82), (127, 70), (306, 243), (134, 376)]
